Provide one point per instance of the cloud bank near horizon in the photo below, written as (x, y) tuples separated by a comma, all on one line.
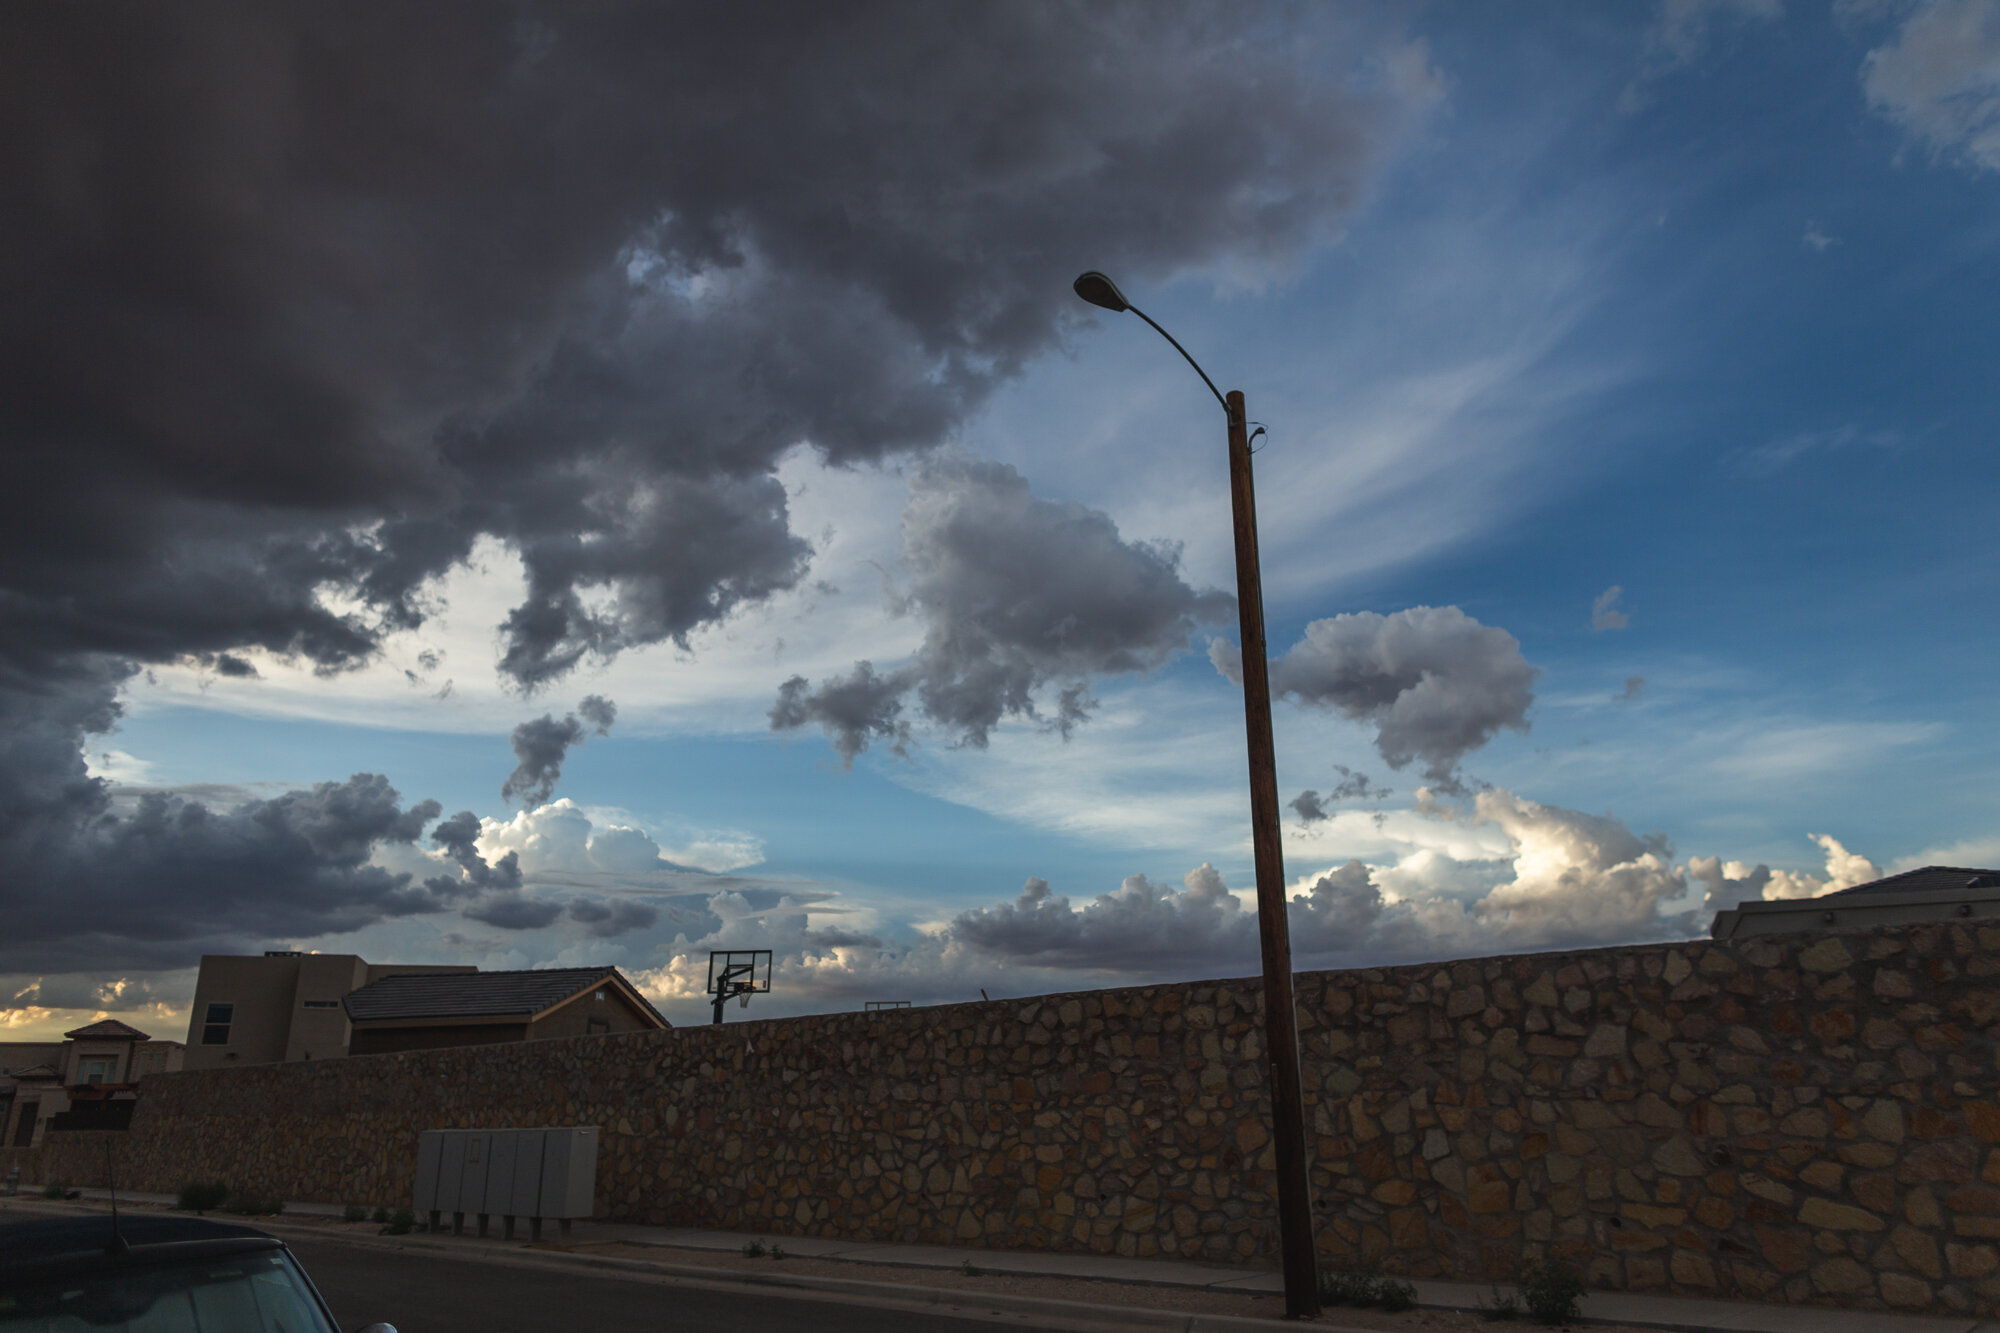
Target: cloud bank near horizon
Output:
[(592, 893)]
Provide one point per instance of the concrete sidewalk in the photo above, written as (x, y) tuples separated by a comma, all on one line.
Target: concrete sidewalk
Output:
[(1692, 1315)]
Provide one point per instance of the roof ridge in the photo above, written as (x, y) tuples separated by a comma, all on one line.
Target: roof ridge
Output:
[(108, 1027), (503, 972), (520, 991)]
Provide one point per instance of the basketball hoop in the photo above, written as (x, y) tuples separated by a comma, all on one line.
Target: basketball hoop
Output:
[(738, 973)]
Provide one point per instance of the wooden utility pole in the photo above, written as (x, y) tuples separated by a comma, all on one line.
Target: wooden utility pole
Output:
[(1281, 1036)]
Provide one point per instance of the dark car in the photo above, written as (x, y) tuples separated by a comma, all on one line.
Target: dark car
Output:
[(154, 1275)]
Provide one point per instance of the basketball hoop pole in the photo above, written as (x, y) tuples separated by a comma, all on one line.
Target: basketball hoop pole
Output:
[(1281, 1038)]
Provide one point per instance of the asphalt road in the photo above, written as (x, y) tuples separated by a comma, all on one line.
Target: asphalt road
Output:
[(419, 1293)]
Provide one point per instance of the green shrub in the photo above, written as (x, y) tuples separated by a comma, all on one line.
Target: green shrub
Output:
[(1550, 1291), (754, 1250), (1504, 1309), (243, 1203), (400, 1223), (380, 1216), (777, 1251), (354, 1212), (53, 1191), (198, 1196), (1363, 1287)]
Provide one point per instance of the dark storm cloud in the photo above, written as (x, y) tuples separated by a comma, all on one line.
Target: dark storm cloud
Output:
[(1150, 927), (1311, 806), (457, 837), (227, 664), (316, 296), (511, 911), (303, 301), (540, 744), (610, 920), (599, 712), (1019, 596), (853, 709), (159, 883), (1141, 926), (1435, 683)]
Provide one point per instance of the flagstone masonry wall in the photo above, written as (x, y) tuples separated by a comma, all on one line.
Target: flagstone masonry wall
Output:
[(1808, 1119)]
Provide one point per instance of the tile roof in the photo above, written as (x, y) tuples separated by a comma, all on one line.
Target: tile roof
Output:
[(1928, 879), (473, 994), (111, 1028), (35, 1071)]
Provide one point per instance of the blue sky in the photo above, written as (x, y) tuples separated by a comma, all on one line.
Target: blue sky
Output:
[(1658, 338)]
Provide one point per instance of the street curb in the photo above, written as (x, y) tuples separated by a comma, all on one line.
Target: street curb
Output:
[(1082, 1316), (1071, 1315)]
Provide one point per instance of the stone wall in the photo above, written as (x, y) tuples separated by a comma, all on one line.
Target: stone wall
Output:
[(1798, 1118)]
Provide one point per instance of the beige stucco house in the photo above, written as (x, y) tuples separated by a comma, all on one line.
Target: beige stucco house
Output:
[(251, 1010), (91, 1078), (282, 1005)]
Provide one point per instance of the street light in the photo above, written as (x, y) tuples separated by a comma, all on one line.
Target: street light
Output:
[(1281, 1036)]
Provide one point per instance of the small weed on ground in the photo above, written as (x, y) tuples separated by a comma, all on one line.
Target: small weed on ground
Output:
[(399, 1223), (52, 1191), (380, 1217), (354, 1212), (777, 1251), (754, 1250), (1364, 1287), (1504, 1309), (967, 1269), (1550, 1291)]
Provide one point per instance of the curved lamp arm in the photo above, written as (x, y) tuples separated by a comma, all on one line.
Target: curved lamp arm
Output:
[(1101, 291)]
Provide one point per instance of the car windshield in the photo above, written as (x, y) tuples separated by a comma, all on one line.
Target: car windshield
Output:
[(250, 1293)]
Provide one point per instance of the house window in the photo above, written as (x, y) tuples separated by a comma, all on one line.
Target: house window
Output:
[(96, 1069), (215, 1024), (322, 1004)]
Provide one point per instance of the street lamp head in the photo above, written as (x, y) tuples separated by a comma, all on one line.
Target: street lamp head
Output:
[(1099, 290)]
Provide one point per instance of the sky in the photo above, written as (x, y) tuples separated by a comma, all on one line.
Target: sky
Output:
[(548, 486)]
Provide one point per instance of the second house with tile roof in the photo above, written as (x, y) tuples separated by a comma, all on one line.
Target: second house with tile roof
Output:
[(287, 1006), (417, 1012)]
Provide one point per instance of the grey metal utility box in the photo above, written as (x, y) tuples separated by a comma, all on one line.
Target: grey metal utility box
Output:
[(507, 1173), (500, 1173), (569, 1172), (527, 1187), (472, 1178)]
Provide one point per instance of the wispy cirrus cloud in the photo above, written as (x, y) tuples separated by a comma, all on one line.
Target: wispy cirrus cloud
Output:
[(1939, 78)]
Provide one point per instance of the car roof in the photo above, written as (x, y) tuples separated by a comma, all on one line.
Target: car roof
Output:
[(85, 1243)]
